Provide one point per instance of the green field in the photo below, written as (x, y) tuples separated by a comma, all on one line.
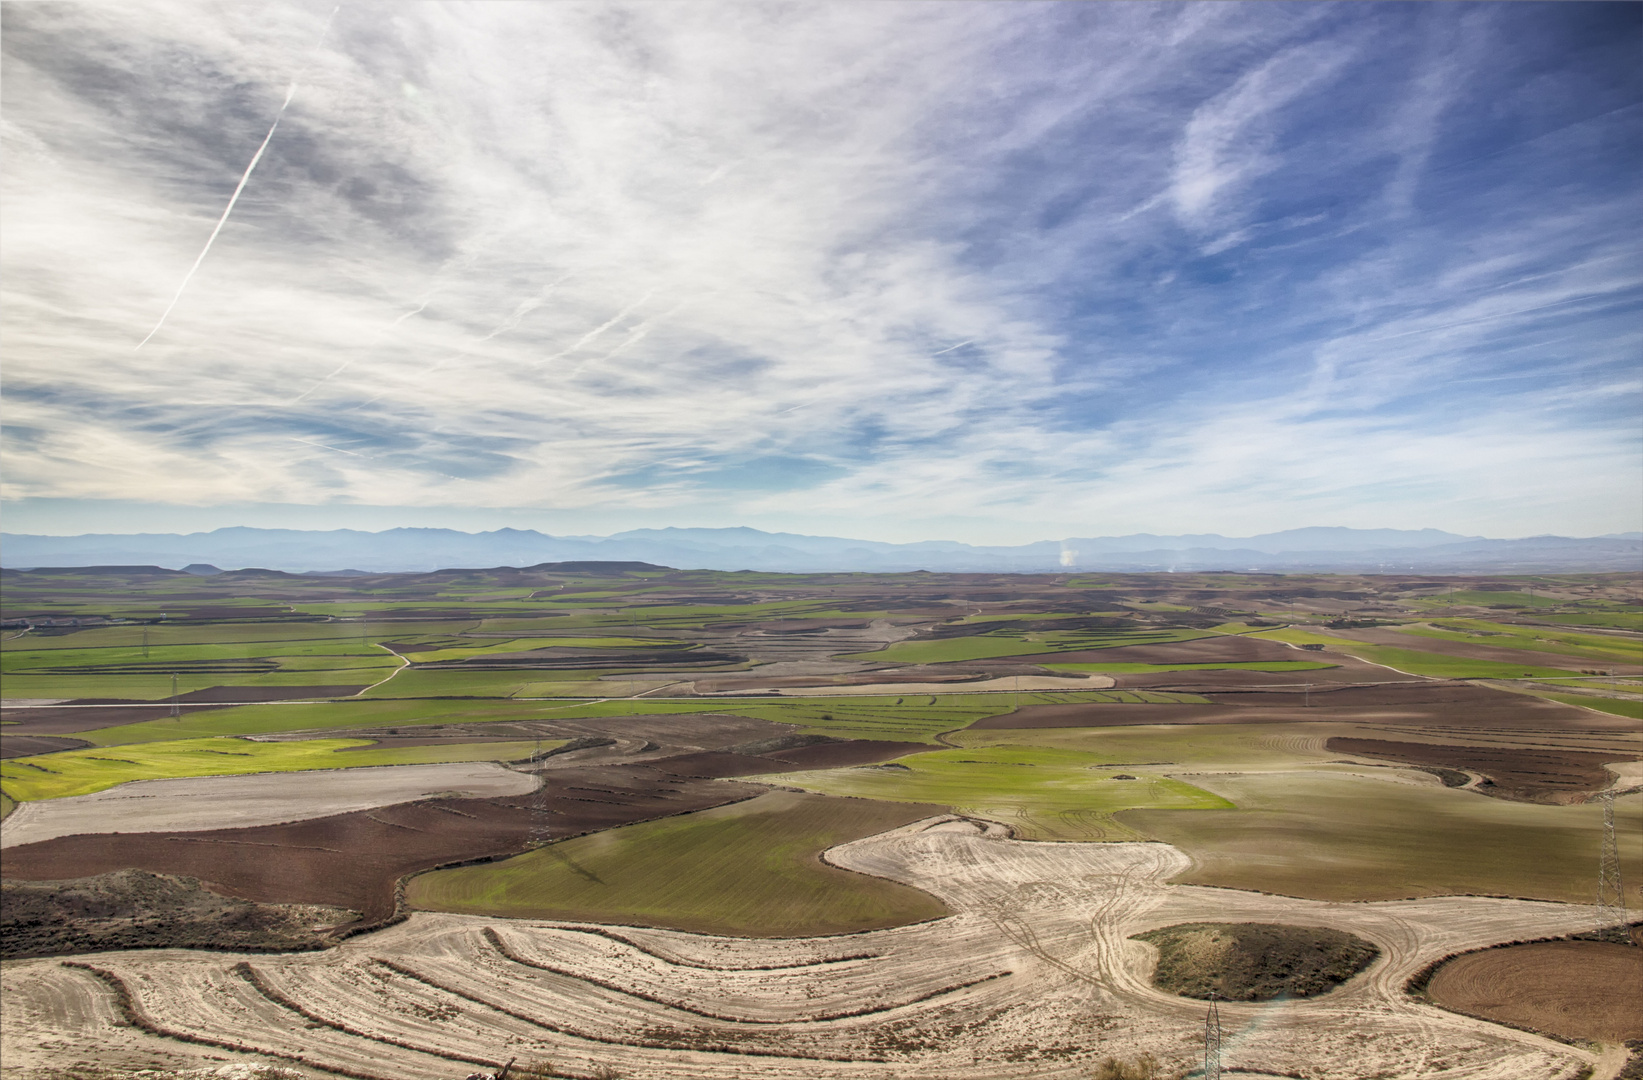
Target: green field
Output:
[(81, 772), (751, 869), (1599, 647), (1326, 834), (1432, 665), (1043, 793)]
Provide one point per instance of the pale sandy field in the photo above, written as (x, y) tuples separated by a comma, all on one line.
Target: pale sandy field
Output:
[(199, 803), (1034, 976)]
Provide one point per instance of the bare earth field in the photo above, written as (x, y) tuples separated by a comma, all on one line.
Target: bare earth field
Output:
[(1034, 976), (1533, 775), (353, 860), (1576, 989), (201, 803)]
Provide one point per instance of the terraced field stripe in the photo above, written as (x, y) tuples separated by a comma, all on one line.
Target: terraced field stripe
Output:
[(245, 971), (135, 1015), (501, 947), (676, 962), (707, 1048)]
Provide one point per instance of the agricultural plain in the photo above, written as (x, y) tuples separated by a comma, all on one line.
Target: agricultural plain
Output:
[(639, 820)]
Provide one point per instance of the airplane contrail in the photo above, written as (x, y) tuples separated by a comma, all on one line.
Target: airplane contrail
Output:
[(290, 93)]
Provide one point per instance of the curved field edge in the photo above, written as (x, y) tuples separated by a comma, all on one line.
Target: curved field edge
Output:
[(751, 869)]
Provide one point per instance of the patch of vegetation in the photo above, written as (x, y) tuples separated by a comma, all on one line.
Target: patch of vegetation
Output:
[(1255, 961), (752, 869), (134, 909)]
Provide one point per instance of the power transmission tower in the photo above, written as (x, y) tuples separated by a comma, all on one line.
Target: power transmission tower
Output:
[(540, 830), (1611, 897), (176, 709), (145, 643), (1212, 1042)]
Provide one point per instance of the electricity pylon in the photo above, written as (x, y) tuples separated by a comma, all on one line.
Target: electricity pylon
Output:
[(1611, 897), (176, 709), (1212, 1042), (540, 830)]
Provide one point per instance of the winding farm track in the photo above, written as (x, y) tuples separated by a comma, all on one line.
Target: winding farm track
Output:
[(1035, 975)]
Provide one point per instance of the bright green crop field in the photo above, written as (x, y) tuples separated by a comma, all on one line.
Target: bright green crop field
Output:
[(81, 772), (1043, 793), (751, 869)]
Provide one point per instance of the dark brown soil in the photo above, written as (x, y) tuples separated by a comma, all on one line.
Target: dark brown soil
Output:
[(1572, 989), (353, 860), (25, 745), (65, 719), (1525, 775), (1255, 961), (716, 763), (134, 909)]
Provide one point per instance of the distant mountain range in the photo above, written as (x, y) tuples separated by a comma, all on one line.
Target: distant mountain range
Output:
[(1338, 550)]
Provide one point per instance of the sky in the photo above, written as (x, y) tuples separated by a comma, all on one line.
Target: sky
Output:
[(990, 272)]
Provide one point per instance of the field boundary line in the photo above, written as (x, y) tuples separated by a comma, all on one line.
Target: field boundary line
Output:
[(718, 1048), (250, 974), (600, 932), (502, 947), (137, 1017)]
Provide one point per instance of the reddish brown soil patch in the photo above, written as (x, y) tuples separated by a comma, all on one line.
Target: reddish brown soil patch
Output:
[(843, 754), (353, 860), (246, 695), (24, 745), (1527, 775), (1574, 989), (64, 719)]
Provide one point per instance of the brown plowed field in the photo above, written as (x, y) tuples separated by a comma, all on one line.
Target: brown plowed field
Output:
[(25, 745), (66, 719), (353, 860), (1574, 989), (1530, 775)]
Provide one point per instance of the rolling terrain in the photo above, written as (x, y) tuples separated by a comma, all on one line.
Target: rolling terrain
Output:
[(625, 818)]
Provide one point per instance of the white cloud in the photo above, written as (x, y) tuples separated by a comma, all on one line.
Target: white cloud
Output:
[(584, 257)]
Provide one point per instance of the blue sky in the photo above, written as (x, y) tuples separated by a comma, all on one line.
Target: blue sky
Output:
[(986, 272)]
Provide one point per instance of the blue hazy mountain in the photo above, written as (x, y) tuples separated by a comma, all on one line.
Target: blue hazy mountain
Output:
[(1309, 549)]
